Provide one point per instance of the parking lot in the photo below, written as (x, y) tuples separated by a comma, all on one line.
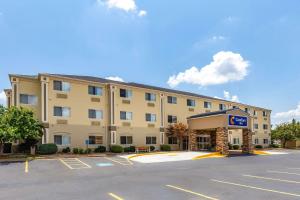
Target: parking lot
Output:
[(242, 177)]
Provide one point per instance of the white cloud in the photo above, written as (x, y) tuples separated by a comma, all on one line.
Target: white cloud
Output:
[(3, 98), (287, 116), (225, 67), (126, 5), (115, 78), (142, 13), (217, 37)]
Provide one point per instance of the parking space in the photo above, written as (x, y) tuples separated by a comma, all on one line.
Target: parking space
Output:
[(247, 177)]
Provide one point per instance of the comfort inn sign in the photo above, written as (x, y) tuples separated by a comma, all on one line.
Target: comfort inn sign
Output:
[(234, 120)]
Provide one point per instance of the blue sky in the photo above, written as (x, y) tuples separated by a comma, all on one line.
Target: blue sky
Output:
[(242, 50)]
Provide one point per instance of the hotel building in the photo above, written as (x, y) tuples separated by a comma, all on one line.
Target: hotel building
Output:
[(76, 109)]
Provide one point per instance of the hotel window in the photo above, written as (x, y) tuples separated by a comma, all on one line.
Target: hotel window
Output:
[(61, 86), (222, 107), (62, 140), (265, 126), (125, 93), (61, 111), (93, 90), (95, 139), (246, 110), (265, 114), (150, 140), (190, 102), (172, 140), (266, 141), (254, 113), (125, 115), (150, 96), (207, 105), (255, 126), (126, 139), (150, 117), (236, 140), (28, 99), (95, 114), (172, 119), (234, 107), (256, 141), (172, 100)]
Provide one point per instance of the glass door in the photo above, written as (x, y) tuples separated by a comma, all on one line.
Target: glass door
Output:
[(203, 142)]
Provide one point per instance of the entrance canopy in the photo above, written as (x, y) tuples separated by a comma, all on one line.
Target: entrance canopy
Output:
[(216, 126), (230, 119)]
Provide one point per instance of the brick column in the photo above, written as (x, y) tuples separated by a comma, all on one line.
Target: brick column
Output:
[(222, 140), (193, 140), (247, 141)]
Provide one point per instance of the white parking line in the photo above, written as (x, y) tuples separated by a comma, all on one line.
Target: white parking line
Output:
[(293, 168), (191, 192), (74, 163), (121, 161), (272, 179), (280, 172), (256, 188)]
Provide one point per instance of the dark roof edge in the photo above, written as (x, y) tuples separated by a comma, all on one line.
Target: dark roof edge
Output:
[(132, 84)]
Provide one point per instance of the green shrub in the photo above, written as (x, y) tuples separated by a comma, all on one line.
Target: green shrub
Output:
[(66, 150), (258, 147), (75, 150), (100, 149), (235, 147), (81, 151), (88, 151), (116, 149), (126, 149), (229, 146), (152, 148), (274, 145), (132, 149), (165, 147), (47, 149)]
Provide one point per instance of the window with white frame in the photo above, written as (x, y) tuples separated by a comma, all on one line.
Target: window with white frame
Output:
[(254, 113), (190, 102), (125, 115), (265, 114), (61, 111), (95, 114), (150, 140), (150, 96), (61, 86), (126, 139), (236, 140), (256, 141), (63, 140), (222, 106), (255, 126), (266, 141), (207, 105), (172, 100), (265, 126), (93, 90), (172, 119), (150, 117), (172, 140), (28, 99), (125, 93), (94, 139)]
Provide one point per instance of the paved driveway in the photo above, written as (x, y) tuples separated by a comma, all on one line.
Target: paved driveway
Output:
[(273, 177)]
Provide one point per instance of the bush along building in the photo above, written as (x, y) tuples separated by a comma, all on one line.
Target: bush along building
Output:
[(80, 111)]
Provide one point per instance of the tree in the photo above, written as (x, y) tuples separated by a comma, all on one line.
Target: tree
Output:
[(20, 124), (3, 136), (178, 130), (286, 131)]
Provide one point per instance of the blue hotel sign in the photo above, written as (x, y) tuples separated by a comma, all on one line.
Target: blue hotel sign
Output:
[(234, 120)]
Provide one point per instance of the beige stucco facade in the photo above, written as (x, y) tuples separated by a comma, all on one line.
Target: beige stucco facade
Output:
[(78, 127)]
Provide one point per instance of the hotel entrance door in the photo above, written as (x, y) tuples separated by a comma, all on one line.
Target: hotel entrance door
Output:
[(203, 142)]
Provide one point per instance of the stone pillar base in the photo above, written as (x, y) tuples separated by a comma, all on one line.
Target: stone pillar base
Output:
[(247, 141), (222, 140)]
